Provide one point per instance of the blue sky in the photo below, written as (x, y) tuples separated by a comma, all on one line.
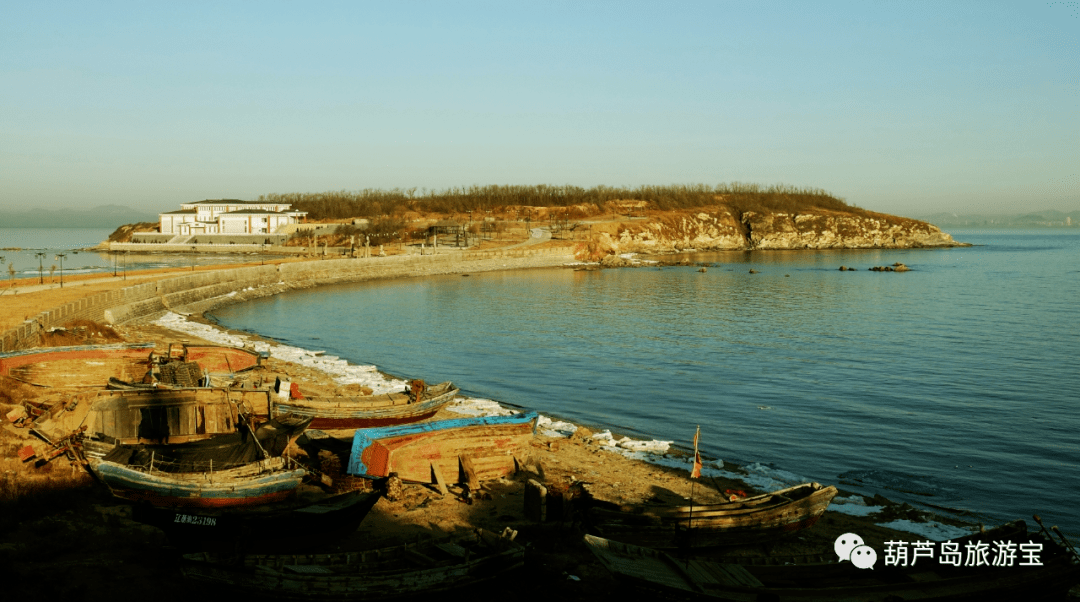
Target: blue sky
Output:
[(901, 107)]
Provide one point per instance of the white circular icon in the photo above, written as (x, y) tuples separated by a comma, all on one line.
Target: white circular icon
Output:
[(845, 543), (863, 557)]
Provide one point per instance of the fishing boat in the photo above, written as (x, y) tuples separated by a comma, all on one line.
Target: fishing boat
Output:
[(407, 570), (259, 482), (366, 411), (312, 518), (426, 452), (200, 425), (744, 521), (220, 359), (926, 580), (77, 366)]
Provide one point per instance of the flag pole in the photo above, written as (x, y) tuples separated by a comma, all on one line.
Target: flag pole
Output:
[(695, 473)]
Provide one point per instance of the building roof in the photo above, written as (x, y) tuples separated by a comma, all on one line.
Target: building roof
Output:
[(187, 211), (232, 202), (251, 212)]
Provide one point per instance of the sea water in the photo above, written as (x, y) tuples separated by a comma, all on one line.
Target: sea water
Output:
[(36, 253), (953, 385)]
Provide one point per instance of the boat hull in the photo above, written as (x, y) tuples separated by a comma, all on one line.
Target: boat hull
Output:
[(490, 442), (250, 485), (752, 520), (416, 569), (286, 525), (78, 366), (332, 413)]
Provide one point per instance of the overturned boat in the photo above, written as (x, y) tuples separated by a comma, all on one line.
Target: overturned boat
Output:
[(402, 571), (485, 447), (748, 520), (78, 366)]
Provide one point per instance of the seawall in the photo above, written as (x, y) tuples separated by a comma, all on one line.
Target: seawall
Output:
[(203, 291)]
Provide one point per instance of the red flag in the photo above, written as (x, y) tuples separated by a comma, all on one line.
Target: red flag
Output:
[(696, 472)]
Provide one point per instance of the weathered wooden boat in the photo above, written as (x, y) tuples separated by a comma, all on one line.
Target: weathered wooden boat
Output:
[(745, 521), (369, 410), (220, 359), (260, 482), (312, 518), (172, 416), (77, 366), (407, 570), (433, 452), (927, 580)]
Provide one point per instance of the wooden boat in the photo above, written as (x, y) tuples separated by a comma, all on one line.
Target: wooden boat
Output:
[(928, 580), (367, 411), (269, 480), (427, 452), (313, 518), (746, 521), (413, 569), (220, 359), (78, 366)]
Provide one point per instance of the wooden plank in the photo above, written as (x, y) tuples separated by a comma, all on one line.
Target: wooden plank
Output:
[(439, 479), (469, 472), (535, 501)]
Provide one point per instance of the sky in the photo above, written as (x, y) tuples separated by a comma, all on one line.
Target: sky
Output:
[(900, 107)]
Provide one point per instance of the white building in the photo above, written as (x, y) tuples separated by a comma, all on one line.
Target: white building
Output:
[(229, 217)]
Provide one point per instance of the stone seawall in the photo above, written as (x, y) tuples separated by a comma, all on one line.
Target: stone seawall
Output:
[(202, 291)]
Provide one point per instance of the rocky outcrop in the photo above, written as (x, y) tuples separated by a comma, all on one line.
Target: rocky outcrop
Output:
[(725, 230)]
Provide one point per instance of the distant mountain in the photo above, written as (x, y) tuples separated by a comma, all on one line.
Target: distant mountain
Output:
[(1035, 219), (105, 216)]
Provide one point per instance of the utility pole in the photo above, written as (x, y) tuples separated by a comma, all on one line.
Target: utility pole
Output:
[(61, 257)]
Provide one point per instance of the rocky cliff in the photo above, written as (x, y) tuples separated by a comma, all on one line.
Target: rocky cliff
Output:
[(723, 229)]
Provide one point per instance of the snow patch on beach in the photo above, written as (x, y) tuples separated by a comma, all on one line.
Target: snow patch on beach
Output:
[(472, 406), (767, 478), (555, 428), (853, 506), (341, 371), (931, 530), (654, 446)]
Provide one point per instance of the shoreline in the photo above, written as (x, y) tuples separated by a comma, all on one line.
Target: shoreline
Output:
[(200, 317), (566, 459)]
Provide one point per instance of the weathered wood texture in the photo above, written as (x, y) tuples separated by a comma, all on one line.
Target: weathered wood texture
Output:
[(490, 442), (80, 366), (750, 520), (368, 411), (261, 482), (218, 359), (423, 568)]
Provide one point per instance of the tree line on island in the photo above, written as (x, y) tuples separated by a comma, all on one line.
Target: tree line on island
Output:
[(740, 198)]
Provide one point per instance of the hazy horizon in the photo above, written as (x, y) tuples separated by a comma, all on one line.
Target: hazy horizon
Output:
[(909, 109)]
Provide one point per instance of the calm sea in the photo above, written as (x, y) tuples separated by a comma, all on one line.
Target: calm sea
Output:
[(954, 384), (19, 248)]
